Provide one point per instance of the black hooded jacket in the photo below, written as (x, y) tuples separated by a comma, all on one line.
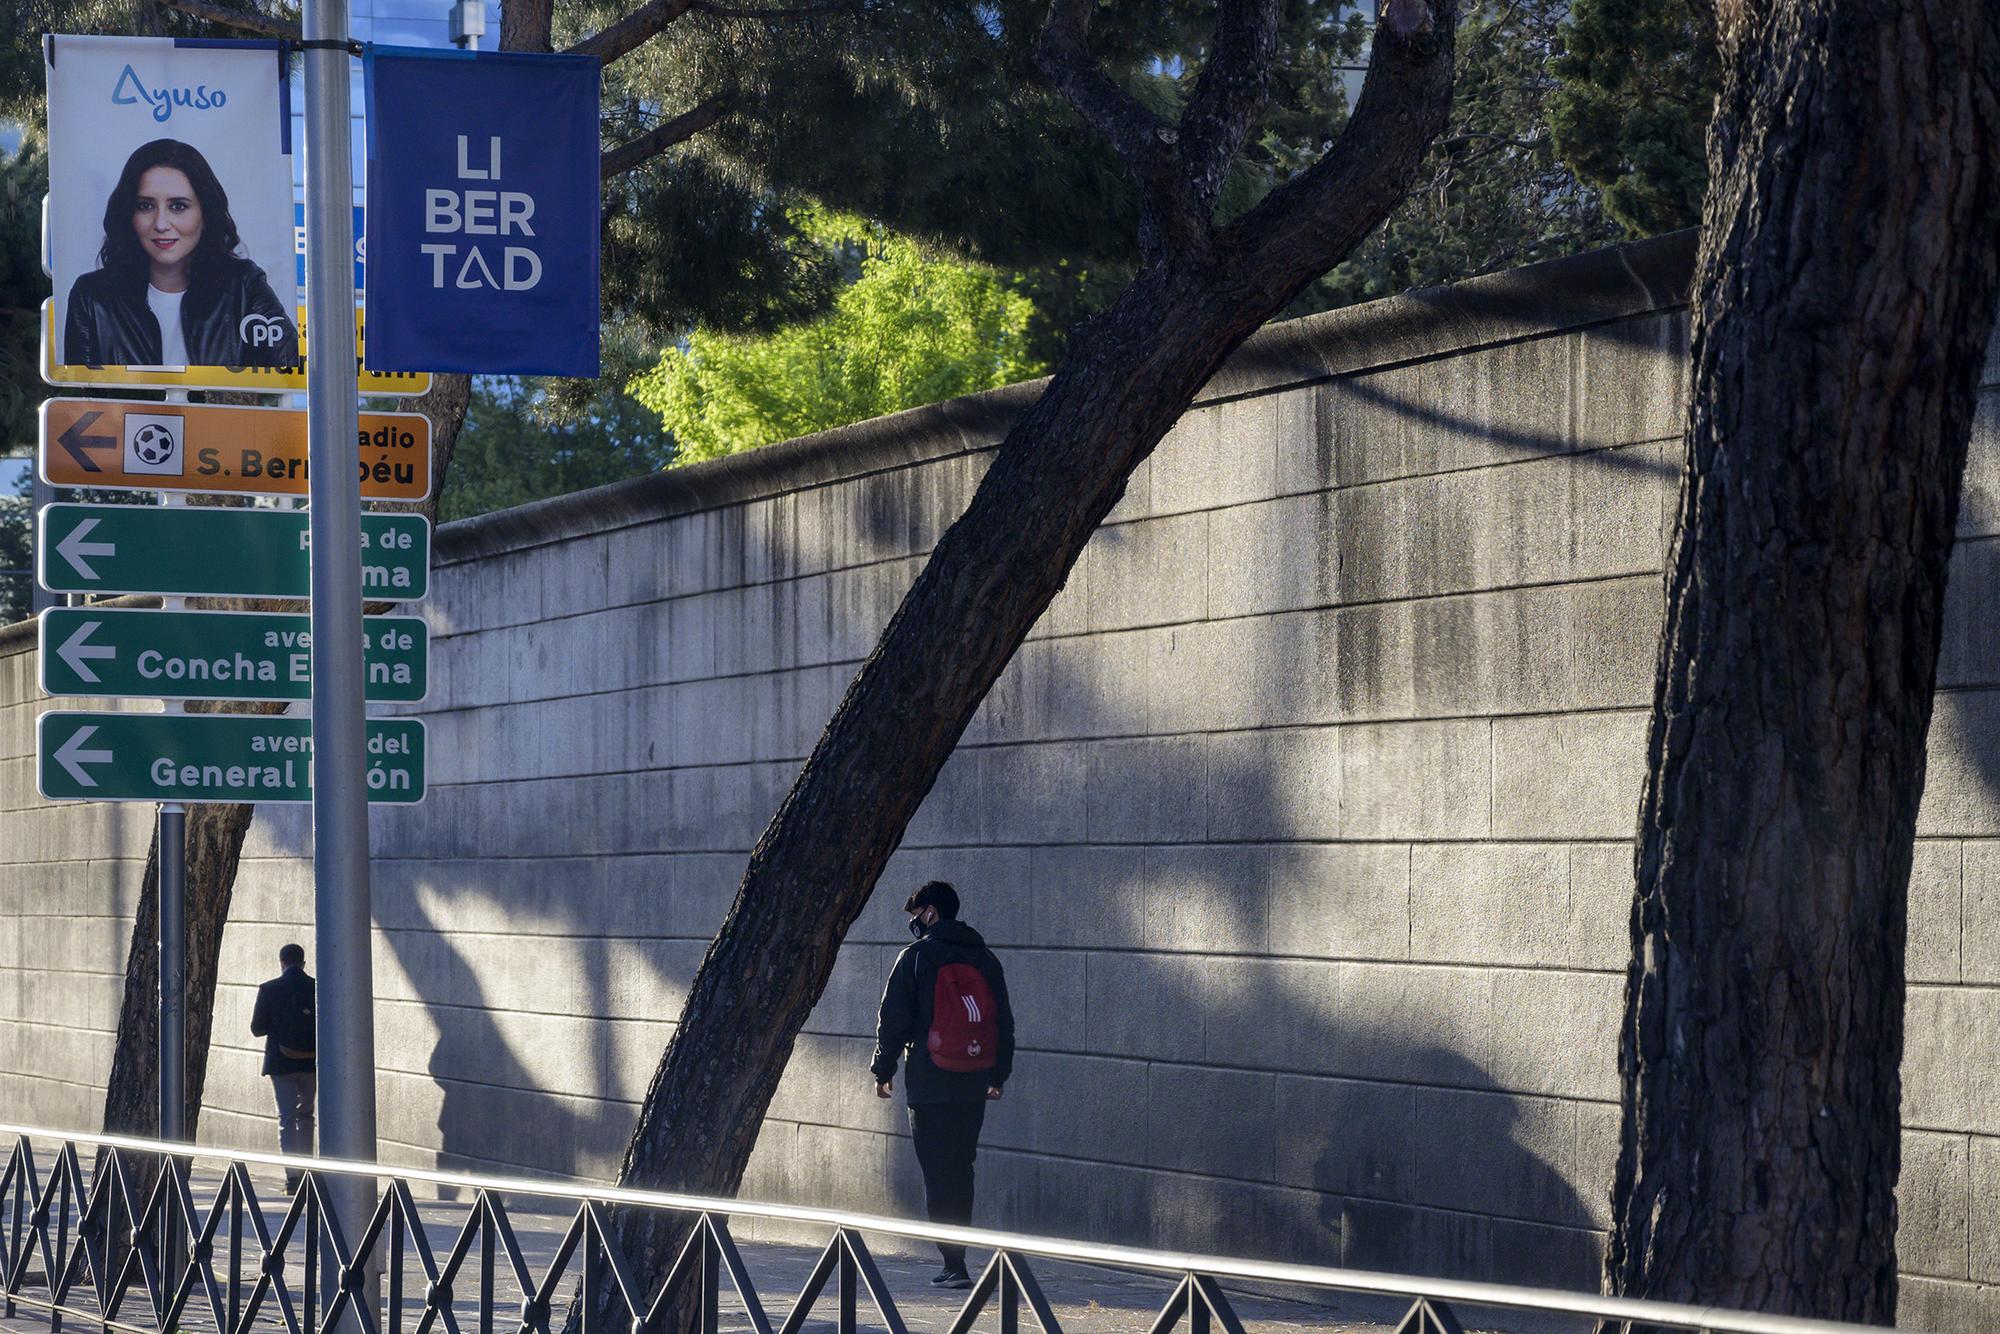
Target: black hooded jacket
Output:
[(108, 322), (284, 1018), (904, 1024)]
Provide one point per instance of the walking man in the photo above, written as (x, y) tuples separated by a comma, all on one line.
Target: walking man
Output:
[(945, 1010), (284, 1019)]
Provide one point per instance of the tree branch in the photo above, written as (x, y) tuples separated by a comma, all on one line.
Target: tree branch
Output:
[(234, 18), (1064, 56), (662, 137), (655, 15), (1404, 104), (1168, 206), (1229, 93), (801, 11), (632, 30), (1494, 141)]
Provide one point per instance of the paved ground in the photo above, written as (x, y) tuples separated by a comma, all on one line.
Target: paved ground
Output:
[(1085, 1300)]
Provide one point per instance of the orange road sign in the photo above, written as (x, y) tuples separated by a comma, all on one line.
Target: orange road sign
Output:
[(124, 446), (403, 384)]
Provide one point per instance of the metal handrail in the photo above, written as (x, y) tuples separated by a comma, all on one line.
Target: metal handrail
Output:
[(1452, 1292)]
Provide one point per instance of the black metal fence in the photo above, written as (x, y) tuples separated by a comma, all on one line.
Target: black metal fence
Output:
[(137, 1240)]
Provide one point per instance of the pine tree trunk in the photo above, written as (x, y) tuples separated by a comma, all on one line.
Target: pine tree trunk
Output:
[(215, 834), (1843, 301), (132, 1097), (1128, 376), (526, 25)]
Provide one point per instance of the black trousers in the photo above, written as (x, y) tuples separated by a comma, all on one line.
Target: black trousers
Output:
[(946, 1135)]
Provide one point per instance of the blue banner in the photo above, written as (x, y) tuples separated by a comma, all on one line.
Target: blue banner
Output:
[(482, 212), (299, 244)]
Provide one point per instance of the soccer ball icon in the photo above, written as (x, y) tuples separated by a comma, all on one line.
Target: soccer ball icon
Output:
[(154, 443)]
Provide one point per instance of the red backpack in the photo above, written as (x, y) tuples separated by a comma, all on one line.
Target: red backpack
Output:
[(965, 1032)]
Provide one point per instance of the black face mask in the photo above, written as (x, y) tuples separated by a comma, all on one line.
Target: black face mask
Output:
[(917, 927)]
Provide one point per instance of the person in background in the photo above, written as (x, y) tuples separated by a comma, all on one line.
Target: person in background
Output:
[(945, 1011), (284, 1018)]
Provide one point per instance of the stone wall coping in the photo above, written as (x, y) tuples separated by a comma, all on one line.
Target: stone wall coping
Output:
[(1576, 291), (22, 635)]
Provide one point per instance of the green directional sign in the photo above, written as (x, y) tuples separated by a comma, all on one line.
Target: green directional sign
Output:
[(124, 653), (202, 551), (210, 757)]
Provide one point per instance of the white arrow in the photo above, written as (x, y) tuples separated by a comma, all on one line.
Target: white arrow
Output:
[(73, 549), (72, 757), (76, 650)]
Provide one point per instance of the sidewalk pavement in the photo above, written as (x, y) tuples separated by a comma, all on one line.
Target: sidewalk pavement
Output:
[(1085, 1299)]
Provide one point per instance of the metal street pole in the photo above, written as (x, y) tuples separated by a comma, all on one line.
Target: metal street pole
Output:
[(170, 922), (173, 971), (346, 1000)]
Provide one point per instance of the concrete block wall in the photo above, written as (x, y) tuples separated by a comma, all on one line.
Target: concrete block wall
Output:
[(69, 892), (1302, 822)]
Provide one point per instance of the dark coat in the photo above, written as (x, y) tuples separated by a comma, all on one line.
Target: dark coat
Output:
[(108, 322), (285, 1006), (904, 1022)]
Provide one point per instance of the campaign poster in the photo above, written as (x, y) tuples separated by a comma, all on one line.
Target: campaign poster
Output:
[(482, 212), (170, 202)]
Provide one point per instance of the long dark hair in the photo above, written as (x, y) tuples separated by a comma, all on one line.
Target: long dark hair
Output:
[(122, 253)]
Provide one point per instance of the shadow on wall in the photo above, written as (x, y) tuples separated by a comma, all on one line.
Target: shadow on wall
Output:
[(1477, 1154), (1181, 1087), (502, 1025), (489, 1115), (1318, 1110), (1340, 1102), (1965, 770)]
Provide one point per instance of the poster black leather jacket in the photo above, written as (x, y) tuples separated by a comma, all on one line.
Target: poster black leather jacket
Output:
[(226, 320)]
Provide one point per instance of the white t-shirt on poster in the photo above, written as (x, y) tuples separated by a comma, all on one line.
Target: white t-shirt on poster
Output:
[(166, 307)]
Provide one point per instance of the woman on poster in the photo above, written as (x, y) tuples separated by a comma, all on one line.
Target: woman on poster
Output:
[(171, 289)]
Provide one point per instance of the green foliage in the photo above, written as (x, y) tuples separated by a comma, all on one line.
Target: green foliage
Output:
[(24, 178), (926, 116), (1638, 85), (911, 328), (16, 554), (21, 92), (513, 449), (929, 117), (1305, 104), (21, 47), (1493, 192)]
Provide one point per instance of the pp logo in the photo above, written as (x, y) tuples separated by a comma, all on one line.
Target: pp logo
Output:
[(153, 445), (261, 330)]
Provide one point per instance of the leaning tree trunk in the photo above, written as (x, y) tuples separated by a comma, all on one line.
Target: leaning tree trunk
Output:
[(214, 846), (1843, 301), (1128, 376), (215, 833)]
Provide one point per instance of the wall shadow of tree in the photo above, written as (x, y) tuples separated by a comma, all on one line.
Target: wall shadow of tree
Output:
[(1402, 1190)]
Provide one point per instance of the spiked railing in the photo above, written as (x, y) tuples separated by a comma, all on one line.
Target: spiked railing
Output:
[(132, 1223)]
